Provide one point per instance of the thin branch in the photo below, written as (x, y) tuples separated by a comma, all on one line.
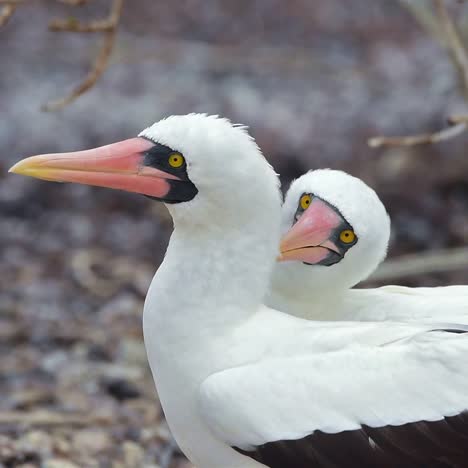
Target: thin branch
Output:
[(455, 119), (458, 125), (425, 17), (48, 418), (454, 43), (5, 14), (73, 25), (93, 76), (100, 63), (66, 2), (418, 264), (73, 2)]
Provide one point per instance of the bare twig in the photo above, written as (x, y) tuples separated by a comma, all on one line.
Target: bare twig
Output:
[(100, 63), (417, 264), (5, 14), (73, 25), (97, 70), (454, 43), (48, 418), (458, 124), (73, 2), (425, 17), (456, 128), (455, 119)]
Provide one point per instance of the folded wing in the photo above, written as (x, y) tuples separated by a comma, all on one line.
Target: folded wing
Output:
[(400, 404)]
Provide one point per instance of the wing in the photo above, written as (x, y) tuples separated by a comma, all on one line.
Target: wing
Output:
[(441, 291), (402, 404), (397, 303)]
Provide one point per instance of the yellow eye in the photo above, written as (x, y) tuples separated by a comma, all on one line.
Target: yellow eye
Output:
[(305, 201), (176, 160), (347, 236)]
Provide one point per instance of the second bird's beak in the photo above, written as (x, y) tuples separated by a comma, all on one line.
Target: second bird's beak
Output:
[(119, 166), (313, 238)]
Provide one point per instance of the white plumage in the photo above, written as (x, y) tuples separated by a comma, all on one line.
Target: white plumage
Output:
[(290, 397), (243, 385), (323, 292), (231, 372)]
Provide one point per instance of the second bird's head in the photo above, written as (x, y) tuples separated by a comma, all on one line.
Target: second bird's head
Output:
[(335, 230)]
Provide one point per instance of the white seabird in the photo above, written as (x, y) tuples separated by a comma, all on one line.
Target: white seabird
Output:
[(336, 232), (243, 385)]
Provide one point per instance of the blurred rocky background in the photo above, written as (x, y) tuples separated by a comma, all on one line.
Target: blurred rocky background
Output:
[(313, 80)]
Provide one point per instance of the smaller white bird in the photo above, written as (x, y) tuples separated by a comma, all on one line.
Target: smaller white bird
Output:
[(336, 232)]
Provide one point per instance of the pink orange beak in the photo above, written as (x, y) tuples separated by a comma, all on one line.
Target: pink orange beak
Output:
[(313, 238), (119, 166)]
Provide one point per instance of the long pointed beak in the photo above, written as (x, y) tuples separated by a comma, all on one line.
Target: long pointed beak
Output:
[(119, 166), (312, 239)]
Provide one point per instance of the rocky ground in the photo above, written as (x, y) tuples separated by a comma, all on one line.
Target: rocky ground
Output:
[(75, 384), (314, 80)]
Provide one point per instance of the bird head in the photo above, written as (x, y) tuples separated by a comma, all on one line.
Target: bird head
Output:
[(335, 230), (203, 167)]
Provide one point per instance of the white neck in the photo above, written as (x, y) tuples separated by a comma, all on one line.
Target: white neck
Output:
[(215, 268), (295, 291), (213, 279)]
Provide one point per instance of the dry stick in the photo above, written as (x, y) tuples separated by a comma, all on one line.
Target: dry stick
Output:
[(5, 14), (100, 63), (454, 43), (458, 124), (66, 2), (97, 70), (48, 418), (455, 119), (417, 264), (72, 25), (425, 17), (73, 2), (455, 129)]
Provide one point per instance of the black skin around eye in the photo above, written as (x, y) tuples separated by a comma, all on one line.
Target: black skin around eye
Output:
[(158, 157), (333, 257)]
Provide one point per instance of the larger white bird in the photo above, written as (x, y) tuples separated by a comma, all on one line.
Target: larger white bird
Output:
[(243, 385), (336, 232)]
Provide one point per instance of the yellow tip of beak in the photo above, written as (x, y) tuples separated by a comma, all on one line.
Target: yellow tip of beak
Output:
[(13, 168), (23, 167), (30, 167), (20, 167)]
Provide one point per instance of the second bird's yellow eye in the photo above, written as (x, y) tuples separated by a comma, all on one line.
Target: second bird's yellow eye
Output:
[(347, 236), (176, 160), (305, 201)]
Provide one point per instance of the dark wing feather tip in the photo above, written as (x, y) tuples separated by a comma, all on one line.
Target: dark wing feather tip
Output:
[(438, 444)]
